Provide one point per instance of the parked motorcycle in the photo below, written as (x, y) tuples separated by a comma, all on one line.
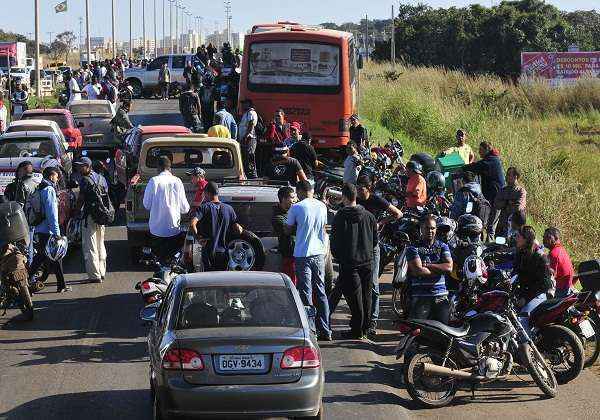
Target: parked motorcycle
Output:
[(484, 349), (152, 289)]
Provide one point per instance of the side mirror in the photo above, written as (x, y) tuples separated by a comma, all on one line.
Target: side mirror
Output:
[(500, 240), (469, 208), (80, 125), (148, 313)]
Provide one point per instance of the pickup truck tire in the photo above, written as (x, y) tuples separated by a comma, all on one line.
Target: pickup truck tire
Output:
[(246, 252), (137, 87)]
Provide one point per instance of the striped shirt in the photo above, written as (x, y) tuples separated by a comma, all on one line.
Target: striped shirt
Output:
[(436, 253)]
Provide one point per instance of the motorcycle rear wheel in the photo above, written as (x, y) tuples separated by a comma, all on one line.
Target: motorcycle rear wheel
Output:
[(563, 351), (27, 303), (539, 370), (591, 345), (429, 391)]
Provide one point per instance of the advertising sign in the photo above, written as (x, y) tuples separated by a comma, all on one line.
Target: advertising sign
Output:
[(560, 68), (294, 63)]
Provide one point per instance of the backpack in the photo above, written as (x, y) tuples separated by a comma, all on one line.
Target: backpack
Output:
[(34, 210), (481, 206), (100, 207)]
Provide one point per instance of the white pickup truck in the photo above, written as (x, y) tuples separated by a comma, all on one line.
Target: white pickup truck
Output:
[(144, 80)]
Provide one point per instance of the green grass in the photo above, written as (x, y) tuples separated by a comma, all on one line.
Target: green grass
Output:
[(536, 128)]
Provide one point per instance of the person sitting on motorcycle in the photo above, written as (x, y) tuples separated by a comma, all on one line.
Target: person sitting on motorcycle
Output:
[(468, 239), (445, 230), (429, 261), (470, 189), (436, 190), (416, 187), (13, 265), (534, 279), (352, 163)]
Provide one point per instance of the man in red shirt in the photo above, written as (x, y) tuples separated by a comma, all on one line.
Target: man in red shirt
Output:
[(560, 262), (199, 179), (416, 188)]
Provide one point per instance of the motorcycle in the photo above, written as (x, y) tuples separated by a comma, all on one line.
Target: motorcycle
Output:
[(484, 349), (328, 186), (152, 289), (15, 294), (586, 324)]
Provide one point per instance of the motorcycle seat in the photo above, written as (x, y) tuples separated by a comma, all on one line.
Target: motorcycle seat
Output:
[(453, 331), (546, 306)]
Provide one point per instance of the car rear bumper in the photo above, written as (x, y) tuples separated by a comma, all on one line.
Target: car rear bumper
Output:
[(298, 399)]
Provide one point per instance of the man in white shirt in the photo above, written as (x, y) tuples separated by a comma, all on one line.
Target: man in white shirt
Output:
[(72, 88), (247, 138), (307, 219), (165, 199), (92, 89)]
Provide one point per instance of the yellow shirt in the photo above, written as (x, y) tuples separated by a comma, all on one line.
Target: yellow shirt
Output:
[(464, 152), (219, 131)]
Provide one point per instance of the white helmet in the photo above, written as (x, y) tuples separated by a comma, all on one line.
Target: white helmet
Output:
[(473, 268), (56, 248), (74, 230)]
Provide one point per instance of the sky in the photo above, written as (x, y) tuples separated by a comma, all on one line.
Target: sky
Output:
[(245, 13)]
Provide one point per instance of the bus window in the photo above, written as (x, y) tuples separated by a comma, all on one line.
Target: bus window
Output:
[(298, 66)]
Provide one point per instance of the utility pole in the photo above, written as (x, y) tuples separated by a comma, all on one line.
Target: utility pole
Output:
[(87, 29), (38, 85), (393, 40), (228, 19), (155, 37), (177, 27), (80, 34), (367, 37), (144, 28), (50, 35), (130, 30), (164, 47), (171, 24), (114, 49)]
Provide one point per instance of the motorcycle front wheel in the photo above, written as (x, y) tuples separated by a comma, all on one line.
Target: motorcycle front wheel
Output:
[(429, 391), (539, 370), (26, 302), (563, 351)]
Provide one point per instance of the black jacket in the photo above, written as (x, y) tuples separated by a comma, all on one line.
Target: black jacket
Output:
[(20, 189), (534, 274), (286, 242), (491, 172), (353, 236)]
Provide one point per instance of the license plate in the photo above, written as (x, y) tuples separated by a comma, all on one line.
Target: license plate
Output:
[(586, 329), (241, 362)]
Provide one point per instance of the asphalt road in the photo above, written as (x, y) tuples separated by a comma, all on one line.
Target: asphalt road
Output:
[(84, 355)]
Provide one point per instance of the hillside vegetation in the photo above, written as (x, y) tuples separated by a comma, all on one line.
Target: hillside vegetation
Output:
[(547, 133)]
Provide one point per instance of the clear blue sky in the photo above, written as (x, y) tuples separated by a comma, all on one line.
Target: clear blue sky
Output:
[(245, 13)]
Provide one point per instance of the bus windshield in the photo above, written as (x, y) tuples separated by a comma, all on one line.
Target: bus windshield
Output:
[(301, 67)]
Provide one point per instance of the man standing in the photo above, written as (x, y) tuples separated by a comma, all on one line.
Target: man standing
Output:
[(189, 106), (18, 100), (285, 168), (164, 80), (92, 89), (560, 262), (213, 223), (307, 219), (165, 199), (226, 119), (353, 236), (462, 148), (352, 163), (287, 197), (303, 151), (376, 206), (199, 180), (416, 187), (91, 186), (121, 122), (207, 95), (24, 184), (358, 133), (47, 228), (489, 168), (428, 263), (295, 134), (247, 138), (509, 199)]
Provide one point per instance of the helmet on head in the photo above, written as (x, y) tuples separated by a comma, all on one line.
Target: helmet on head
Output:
[(436, 181), (56, 247), (469, 225), (414, 166), (445, 227)]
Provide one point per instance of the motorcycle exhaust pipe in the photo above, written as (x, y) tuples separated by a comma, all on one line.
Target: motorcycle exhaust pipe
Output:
[(435, 370)]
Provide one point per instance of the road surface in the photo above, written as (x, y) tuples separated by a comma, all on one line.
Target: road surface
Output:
[(84, 355)]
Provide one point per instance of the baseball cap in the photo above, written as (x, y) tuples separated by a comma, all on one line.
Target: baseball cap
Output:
[(84, 161), (280, 150), (197, 171)]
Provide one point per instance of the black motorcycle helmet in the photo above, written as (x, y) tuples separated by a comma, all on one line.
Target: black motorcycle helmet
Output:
[(436, 182), (469, 226)]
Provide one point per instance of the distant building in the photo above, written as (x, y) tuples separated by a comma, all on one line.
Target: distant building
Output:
[(219, 38), (97, 43)]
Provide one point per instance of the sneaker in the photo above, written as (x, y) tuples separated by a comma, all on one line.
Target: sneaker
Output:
[(65, 290), (324, 337)]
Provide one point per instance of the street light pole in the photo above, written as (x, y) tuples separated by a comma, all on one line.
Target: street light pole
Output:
[(177, 27), (130, 31), (114, 50), (144, 28), (155, 37), (38, 85), (87, 29), (164, 47), (171, 24)]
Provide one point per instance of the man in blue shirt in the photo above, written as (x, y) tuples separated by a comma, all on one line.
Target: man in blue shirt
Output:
[(428, 263), (226, 119), (48, 227)]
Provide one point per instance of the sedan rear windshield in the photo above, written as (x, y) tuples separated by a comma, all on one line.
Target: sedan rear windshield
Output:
[(31, 146), (91, 109), (238, 306), (61, 120), (184, 157), (18, 128)]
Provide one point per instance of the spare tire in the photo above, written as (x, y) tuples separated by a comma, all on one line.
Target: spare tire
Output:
[(427, 161), (246, 252)]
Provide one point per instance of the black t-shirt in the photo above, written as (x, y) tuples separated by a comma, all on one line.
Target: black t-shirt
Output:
[(215, 221), (286, 170), (306, 155), (87, 189), (375, 204)]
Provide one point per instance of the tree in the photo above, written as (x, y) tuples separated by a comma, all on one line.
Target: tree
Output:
[(68, 39), (58, 49)]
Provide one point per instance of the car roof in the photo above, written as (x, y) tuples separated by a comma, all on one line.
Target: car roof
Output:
[(33, 122), (163, 129), (233, 278), (23, 134), (92, 102), (219, 142), (47, 111)]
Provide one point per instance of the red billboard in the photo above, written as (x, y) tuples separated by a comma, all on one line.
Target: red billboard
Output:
[(560, 67)]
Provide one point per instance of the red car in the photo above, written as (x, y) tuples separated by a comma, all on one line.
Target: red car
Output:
[(63, 118)]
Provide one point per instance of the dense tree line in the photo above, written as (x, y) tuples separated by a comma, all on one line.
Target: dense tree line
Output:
[(480, 39)]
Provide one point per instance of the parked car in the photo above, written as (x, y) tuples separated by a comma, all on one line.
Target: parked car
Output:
[(233, 344), (42, 149), (63, 118), (144, 80), (93, 118), (37, 125)]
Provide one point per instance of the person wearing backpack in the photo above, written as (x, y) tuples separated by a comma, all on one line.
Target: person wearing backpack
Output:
[(470, 189), (92, 188), (23, 185), (247, 137), (43, 214), (190, 108), (489, 168)]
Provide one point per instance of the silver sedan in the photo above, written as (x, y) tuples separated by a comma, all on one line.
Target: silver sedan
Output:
[(232, 344)]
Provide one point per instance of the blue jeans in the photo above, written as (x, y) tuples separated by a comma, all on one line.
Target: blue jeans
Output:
[(310, 272), (375, 293), (528, 309)]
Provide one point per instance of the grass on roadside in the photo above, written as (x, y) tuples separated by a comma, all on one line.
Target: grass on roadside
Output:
[(548, 133)]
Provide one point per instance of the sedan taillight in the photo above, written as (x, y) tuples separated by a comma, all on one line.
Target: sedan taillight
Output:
[(300, 357), (182, 359)]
